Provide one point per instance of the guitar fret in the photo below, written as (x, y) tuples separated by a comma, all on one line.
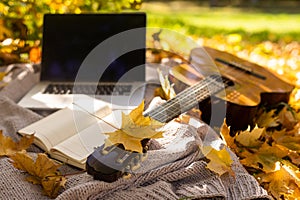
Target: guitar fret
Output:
[(169, 104), (167, 111), (186, 99), (160, 116)]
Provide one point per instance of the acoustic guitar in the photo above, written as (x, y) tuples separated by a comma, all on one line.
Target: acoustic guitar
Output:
[(248, 86), (243, 86), (110, 163)]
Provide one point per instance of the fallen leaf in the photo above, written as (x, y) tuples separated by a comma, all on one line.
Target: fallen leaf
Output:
[(43, 171), (289, 141), (250, 139), (267, 119), (135, 127), (136, 115), (9, 147), (158, 92), (220, 160), (287, 118), (186, 117), (225, 133), (284, 183), (138, 126), (183, 118), (129, 142), (264, 158), (53, 184), (271, 153), (166, 86)]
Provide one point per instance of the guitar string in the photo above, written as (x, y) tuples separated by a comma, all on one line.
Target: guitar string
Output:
[(200, 87), (185, 93), (190, 102), (187, 105), (204, 94)]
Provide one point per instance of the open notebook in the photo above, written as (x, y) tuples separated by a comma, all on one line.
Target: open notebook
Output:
[(71, 134), (102, 55)]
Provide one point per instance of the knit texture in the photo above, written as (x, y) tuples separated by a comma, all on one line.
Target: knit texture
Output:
[(165, 176), (21, 78), (175, 168)]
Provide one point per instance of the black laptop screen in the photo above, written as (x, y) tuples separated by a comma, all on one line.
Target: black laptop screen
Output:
[(69, 38)]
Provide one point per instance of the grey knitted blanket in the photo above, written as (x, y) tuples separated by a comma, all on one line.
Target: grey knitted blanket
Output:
[(175, 167)]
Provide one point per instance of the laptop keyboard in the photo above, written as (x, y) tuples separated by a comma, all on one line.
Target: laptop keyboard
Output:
[(104, 89)]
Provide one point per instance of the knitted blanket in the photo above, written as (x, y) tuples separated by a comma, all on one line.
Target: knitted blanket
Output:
[(174, 169)]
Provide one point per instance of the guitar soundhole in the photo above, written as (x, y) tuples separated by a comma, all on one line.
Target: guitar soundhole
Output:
[(227, 81)]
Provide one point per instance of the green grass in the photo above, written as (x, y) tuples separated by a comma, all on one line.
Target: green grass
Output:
[(253, 25)]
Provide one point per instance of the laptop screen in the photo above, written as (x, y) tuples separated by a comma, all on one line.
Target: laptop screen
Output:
[(69, 38)]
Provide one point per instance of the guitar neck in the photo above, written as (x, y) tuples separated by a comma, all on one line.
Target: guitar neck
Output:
[(103, 163), (187, 99)]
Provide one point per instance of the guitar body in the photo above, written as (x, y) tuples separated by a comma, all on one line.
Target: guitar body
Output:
[(252, 85)]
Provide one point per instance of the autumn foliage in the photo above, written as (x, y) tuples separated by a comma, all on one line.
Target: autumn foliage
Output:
[(9, 147), (42, 170), (135, 127), (271, 150)]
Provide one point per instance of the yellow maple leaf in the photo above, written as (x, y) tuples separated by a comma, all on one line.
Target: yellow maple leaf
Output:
[(267, 119), (129, 142), (167, 89), (284, 182), (288, 141), (160, 93), (136, 116), (9, 147), (264, 158), (220, 160), (53, 184), (249, 138), (225, 133), (43, 171), (135, 127)]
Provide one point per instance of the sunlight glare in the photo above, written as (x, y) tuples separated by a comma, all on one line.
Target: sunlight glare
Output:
[(277, 166), (7, 42)]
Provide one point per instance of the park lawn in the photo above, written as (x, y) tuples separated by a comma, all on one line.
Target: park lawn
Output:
[(253, 25)]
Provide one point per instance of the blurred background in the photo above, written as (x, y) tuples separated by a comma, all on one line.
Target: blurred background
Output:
[(266, 32)]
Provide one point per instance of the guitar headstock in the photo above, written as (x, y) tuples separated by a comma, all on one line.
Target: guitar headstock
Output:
[(110, 163)]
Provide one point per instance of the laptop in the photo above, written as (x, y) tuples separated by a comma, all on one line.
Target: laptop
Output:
[(100, 55)]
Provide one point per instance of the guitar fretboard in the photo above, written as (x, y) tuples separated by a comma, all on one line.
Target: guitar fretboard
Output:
[(187, 99)]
